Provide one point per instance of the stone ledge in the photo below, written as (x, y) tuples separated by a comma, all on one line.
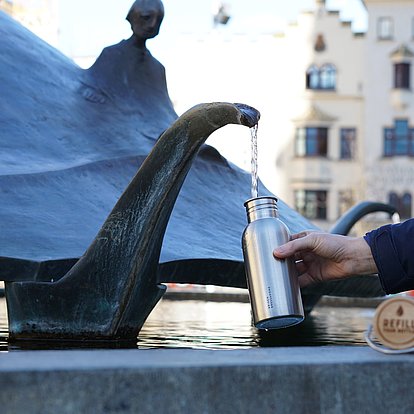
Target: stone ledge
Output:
[(263, 380)]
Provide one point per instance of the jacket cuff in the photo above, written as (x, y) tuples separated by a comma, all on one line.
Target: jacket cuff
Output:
[(392, 275)]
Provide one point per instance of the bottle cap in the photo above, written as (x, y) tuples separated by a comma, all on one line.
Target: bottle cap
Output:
[(261, 207)]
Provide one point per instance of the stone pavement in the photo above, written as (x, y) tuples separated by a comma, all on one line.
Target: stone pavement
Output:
[(260, 380)]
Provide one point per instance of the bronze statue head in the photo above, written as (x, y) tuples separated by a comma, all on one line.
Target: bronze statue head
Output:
[(145, 17)]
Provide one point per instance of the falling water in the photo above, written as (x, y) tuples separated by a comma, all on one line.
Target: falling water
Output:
[(254, 188)]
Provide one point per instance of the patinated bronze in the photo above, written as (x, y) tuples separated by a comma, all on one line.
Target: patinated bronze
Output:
[(111, 290)]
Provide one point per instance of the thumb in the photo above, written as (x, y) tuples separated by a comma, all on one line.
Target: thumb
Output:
[(292, 247), (282, 251), (285, 250)]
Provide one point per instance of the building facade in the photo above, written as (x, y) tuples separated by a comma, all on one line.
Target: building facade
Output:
[(39, 16), (389, 103), (6, 6), (322, 165), (351, 112)]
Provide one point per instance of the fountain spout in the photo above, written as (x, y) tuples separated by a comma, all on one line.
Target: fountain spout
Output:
[(110, 291)]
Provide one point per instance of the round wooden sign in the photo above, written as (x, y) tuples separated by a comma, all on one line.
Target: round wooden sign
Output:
[(394, 322)]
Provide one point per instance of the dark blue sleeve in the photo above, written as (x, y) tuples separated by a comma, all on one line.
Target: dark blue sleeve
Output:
[(392, 247)]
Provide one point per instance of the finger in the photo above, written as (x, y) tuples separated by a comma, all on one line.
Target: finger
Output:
[(298, 257), (294, 246), (300, 235), (305, 280), (301, 267)]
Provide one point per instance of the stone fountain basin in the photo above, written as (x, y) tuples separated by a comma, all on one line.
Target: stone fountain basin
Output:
[(283, 380)]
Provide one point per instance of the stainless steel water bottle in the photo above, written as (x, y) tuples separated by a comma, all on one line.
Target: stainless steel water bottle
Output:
[(273, 284)]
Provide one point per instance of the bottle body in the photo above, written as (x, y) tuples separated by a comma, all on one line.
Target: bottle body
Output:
[(273, 284)]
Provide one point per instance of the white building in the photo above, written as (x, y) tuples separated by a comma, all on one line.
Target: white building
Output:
[(351, 132), (323, 158), (39, 16), (6, 5), (389, 103)]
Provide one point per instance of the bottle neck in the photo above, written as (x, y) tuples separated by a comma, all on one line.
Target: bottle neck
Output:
[(261, 207)]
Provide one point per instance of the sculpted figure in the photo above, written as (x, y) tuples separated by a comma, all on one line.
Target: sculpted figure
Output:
[(127, 74), (145, 17)]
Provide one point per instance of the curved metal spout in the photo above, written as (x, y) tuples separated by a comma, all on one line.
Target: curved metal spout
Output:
[(351, 217), (112, 289)]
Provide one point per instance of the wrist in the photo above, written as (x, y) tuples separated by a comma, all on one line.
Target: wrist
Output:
[(363, 262)]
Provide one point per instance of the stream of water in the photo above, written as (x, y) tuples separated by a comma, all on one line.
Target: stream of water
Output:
[(254, 165)]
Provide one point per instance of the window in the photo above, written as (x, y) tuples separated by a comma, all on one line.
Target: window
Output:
[(385, 28), (311, 142), (345, 201), (412, 28), (394, 200), (402, 75), (311, 203), (323, 78), (312, 77), (348, 143), (405, 206), (402, 204), (399, 140), (327, 77)]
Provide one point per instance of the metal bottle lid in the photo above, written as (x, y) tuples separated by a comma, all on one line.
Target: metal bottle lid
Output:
[(261, 207)]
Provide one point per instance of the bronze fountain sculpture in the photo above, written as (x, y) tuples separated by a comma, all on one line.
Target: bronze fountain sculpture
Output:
[(76, 267)]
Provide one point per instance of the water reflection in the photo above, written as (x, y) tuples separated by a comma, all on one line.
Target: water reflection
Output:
[(221, 325), (325, 326)]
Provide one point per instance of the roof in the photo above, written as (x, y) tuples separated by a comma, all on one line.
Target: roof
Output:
[(315, 114)]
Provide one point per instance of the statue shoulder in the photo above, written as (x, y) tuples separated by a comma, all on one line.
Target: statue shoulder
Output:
[(116, 49)]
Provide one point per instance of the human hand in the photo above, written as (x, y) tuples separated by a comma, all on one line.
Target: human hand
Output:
[(323, 256)]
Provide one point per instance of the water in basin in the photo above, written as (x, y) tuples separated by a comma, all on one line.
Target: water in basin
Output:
[(206, 324)]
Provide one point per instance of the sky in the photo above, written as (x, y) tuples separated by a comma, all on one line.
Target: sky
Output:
[(88, 26)]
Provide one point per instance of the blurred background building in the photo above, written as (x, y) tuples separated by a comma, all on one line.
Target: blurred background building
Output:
[(337, 106), (7, 6), (39, 16), (352, 137)]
